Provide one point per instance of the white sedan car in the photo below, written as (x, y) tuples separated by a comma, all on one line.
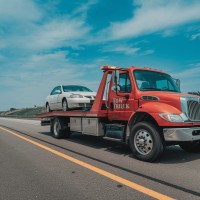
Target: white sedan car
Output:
[(66, 97)]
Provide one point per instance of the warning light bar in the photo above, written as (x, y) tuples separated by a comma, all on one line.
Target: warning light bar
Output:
[(109, 67)]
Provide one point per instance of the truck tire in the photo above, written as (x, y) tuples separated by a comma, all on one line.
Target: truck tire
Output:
[(59, 128), (192, 147), (145, 142), (65, 105)]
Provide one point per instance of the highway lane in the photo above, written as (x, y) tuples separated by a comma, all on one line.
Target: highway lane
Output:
[(176, 175)]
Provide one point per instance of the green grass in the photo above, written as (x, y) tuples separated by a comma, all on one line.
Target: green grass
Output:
[(26, 113)]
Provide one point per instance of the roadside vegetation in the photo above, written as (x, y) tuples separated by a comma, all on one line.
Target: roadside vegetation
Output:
[(23, 113), (195, 93)]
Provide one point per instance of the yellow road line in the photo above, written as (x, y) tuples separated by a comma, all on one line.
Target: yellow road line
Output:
[(118, 179)]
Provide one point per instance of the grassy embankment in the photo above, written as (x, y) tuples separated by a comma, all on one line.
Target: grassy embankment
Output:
[(23, 113)]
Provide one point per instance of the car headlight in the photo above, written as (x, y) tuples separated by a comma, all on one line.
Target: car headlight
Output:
[(173, 117), (76, 96)]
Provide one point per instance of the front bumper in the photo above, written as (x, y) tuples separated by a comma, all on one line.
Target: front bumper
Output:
[(181, 134), (78, 102)]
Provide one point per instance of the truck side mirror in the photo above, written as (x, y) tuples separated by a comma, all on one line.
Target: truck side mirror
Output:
[(115, 78), (178, 83)]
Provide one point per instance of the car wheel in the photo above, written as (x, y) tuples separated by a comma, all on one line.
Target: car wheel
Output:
[(48, 108), (192, 147), (145, 142), (65, 105)]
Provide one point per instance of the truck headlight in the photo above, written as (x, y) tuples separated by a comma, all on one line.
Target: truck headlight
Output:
[(172, 117), (76, 96)]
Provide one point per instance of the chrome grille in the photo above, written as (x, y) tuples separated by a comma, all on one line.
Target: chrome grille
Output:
[(193, 110)]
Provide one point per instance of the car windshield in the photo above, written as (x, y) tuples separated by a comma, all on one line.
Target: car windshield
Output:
[(151, 81), (75, 88)]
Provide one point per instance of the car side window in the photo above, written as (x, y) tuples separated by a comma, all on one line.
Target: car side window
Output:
[(59, 88), (53, 91), (124, 82)]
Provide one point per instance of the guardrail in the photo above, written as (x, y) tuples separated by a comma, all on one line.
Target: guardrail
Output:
[(19, 116)]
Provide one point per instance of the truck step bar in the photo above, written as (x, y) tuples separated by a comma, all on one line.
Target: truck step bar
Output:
[(113, 139)]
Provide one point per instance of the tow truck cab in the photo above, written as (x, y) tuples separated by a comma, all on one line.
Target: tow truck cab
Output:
[(140, 106)]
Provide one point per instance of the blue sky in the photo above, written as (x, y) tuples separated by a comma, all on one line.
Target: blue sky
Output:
[(44, 43)]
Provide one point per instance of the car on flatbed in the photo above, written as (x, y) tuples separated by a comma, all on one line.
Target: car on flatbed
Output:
[(66, 97)]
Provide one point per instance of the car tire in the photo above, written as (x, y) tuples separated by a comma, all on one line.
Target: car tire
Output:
[(48, 108), (191, 147), (59, 128), (65, 105), (145, 142)]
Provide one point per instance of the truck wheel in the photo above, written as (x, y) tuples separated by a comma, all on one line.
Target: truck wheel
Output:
[(192, 147), (145, 142), (59, 128), (65, 105)]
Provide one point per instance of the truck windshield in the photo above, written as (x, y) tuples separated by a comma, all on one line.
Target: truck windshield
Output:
[(150, 81)]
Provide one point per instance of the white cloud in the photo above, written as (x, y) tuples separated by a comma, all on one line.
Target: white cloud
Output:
[(169, 32), (195, 36), (189, 78), (147, 52), (56, 33), (20, 10), (53, 34), (30, 37), (83, 8), (123, 49), (190, 72), (38, 74), (126, 49), (27, 27), (154, 16)]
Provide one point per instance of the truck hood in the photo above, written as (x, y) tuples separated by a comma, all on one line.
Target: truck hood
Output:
[(166, 96), (170, 98)]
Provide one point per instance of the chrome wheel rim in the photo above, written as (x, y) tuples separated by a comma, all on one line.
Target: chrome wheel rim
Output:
[(56, 128), (143, 142), (64, 106)]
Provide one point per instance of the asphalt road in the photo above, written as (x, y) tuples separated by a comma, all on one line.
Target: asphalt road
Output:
[(34, 165)]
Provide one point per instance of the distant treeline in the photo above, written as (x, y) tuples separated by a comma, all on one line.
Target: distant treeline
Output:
[(195, 93)]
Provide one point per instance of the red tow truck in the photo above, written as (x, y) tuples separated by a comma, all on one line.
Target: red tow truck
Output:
[(142, 107)]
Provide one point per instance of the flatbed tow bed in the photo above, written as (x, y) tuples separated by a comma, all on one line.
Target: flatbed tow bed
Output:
[(72, 114), (144, 108), (47, 117)]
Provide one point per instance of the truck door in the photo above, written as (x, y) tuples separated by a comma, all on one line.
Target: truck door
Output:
[(121, 101)]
